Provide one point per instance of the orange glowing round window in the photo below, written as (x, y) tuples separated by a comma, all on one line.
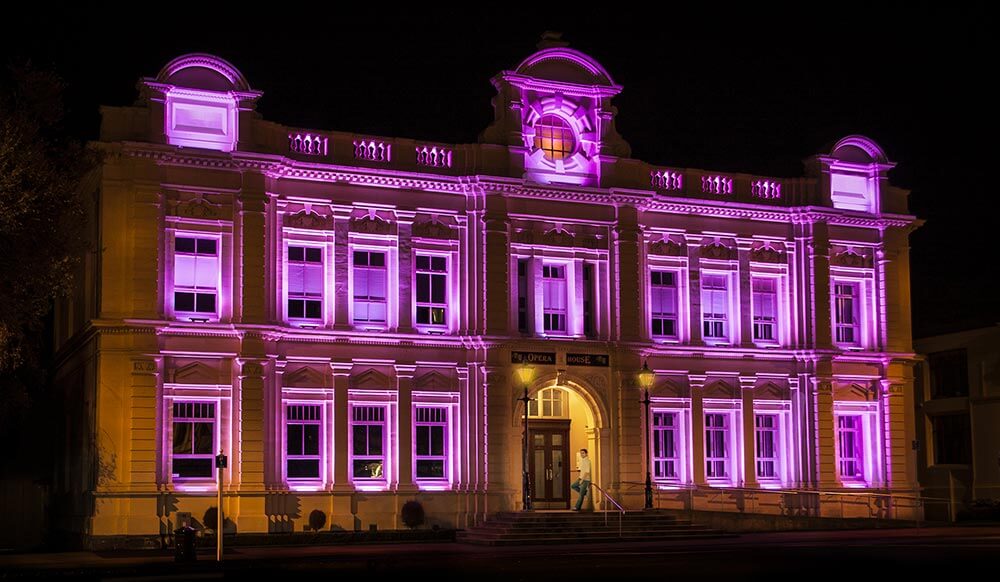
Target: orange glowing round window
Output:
[(554, 137)]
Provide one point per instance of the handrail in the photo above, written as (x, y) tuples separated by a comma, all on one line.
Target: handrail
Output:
[(621, 510), (692, 488)]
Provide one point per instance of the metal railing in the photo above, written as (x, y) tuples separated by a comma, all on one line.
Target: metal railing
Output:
[(807, 502), (621, 510)]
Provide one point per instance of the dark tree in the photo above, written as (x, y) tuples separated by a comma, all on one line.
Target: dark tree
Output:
[(42, 224)]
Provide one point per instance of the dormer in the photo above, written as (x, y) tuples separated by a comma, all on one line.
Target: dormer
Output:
[(199, 99), (554, 111), (854, 175)]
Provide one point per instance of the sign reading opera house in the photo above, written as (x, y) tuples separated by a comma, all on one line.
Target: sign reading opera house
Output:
[(344, 315)]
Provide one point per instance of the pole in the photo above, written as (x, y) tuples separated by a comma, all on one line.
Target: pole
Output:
[(649, 480), (218, 504), (525, 479)]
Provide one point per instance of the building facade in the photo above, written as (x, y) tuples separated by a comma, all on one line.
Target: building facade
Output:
[(343, 315), (957, 411)]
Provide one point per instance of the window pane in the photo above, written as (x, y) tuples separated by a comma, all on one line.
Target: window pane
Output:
[(437, 440), (203, 442), (360, 440), (423, 287), (296, 253), (423, 440), (437, 316), (423, 262), (314, 255), (376, 259), (184, 245), (205, 303), (360, 258), (375, 440), (206, 246), (294, 439), (367, 469), (423, 315), (437, 289), (192, 468), (310, 437), (182, 438), (296, 308), (439, 264), (184, 301), (314, 310), (430, 468), (303, 468), (206, 272), (313, 280)]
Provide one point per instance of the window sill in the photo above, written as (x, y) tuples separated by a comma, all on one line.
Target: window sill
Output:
[(305, 485), (665, 340), (370, 484), (434, 484), (720, 483), (195, 318), (431, 330), (767, 345)]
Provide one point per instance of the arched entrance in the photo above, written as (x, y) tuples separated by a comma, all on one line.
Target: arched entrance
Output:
[(563, 420)]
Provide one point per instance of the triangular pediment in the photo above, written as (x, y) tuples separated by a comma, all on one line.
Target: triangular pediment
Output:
[(719, 389), (304, 377), (433, 381), (372, 379), (196, 373)]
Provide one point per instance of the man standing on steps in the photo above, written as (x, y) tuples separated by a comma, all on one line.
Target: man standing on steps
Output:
[(582, 484)]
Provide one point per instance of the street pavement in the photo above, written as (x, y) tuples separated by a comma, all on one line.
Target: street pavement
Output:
[(806, 555)]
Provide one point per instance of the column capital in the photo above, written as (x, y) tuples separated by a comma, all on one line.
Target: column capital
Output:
[(697, 380), (748, 382), (341, 368), (405, 370)]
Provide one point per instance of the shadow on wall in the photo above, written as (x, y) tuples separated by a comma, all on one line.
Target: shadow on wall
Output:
[(282, 510)]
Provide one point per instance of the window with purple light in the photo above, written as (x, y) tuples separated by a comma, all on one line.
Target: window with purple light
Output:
[(663, 303), (196, 276), (430, 445), (717, 446), (766, 437), (666, 446), (193, 451), (715, 306), (850, 447), (305, 283), (303, 424), (765, 309), (368, 442), (370, 282), (847, 313), (432, 290), (554, 137), (554, 297)]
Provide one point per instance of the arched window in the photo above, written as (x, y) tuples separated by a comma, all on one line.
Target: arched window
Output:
[(554, 137), (552, 402)]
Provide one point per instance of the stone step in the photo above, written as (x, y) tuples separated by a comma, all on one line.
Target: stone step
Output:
[(593, 539)]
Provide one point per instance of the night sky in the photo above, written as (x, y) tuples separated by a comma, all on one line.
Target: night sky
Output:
[(705, 88)]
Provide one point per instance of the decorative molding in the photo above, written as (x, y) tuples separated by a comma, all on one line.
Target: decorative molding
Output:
[(371, 224), (433, 229), (667, 247), (765, 189), (559, 237), (372, 379), (194, 373), (598, 381), (766, 253), (305, 377), (308, 218), (717, 250), (196, 208), (252, 369), (143, 366), (433, 381), (849, 257), (372, 150), (716, 184)]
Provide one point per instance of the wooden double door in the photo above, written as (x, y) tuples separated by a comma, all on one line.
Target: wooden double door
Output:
[(549, 459)]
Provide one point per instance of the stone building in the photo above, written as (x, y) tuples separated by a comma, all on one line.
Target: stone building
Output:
[(343, 316)]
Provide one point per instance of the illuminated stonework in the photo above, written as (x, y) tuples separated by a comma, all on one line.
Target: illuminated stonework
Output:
[(342, 314)]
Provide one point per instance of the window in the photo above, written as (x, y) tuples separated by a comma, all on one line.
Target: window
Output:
[(715, 306), (302, 429), (370, 281), (850, 447), (666, 449), (552, 402), (305, 283), (717, 446), (554, 297), (952, 439), (432, 286), (196, 276), (522, 295), (663, 299), (949, 374), (554, 137), (430, 446), (765, 309), (847, 320), (194, 440), (766, 433), (368, 448)]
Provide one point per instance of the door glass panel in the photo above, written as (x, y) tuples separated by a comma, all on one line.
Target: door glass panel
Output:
[(557, 470), (539, 488), (557, 440), (539, 440)]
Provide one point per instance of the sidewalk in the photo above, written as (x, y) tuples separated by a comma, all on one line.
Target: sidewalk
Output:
[(162, 562)]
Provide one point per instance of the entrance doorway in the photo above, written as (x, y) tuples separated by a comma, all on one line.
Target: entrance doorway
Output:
[(550, 464)]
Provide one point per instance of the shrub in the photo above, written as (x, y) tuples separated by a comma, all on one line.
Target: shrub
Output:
[(412, 514)]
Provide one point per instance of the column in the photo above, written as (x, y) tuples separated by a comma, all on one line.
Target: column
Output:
[(747, 384), (899, 457), (246, 466), (744, 302), (696, 382), (496, 260), (819, 266), (341, 425), (404, 429), (404, 226), (823, 443), (628, 253), (341, 268), (248, 253), (694, 289), (141, 462)]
